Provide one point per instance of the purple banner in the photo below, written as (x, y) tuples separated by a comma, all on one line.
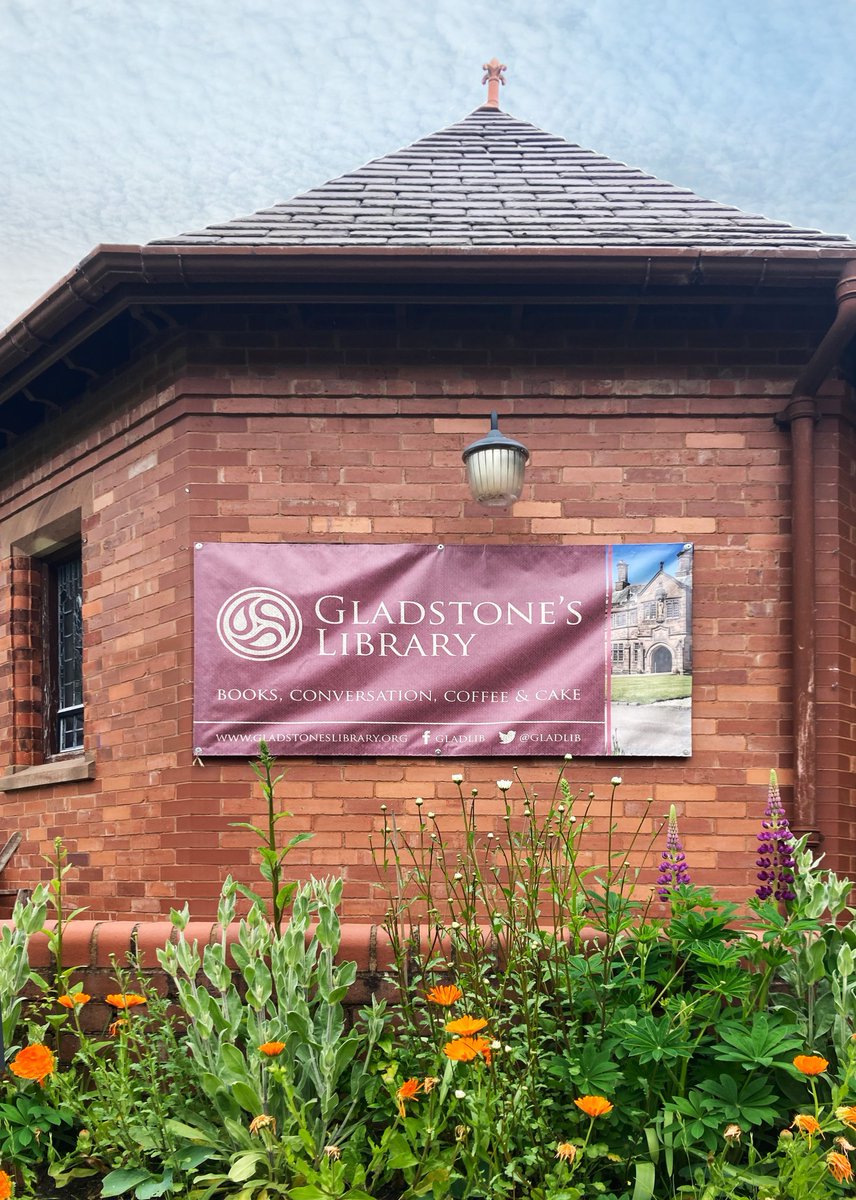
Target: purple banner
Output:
[(425, 650)]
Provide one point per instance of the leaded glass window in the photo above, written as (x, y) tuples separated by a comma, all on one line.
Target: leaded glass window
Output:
[(69, 654)]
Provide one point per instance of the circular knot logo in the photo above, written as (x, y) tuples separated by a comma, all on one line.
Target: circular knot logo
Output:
[(259, 624)]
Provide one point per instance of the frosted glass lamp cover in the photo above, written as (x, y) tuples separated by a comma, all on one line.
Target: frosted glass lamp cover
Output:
[(495, 467)]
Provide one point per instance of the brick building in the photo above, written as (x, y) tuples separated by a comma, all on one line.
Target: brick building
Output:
[(311, 374)]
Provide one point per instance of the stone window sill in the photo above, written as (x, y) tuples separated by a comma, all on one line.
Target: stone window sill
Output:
[(62, 770)]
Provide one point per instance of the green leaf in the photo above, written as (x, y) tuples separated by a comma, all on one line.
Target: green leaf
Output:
[(190, 1157), (250, 894), (62, 1176), (298, 1023), (731, 982), (653, 1143), (753, 1178), (750, 1100), (247, 1097), (308, 1192), (699, 1121), (813, 961), (759, 1045), (298, 838), (234, 1064), (643, 1188), (251, 1192), (722, 954), (155, 1187), (244, 1167), (652, 1040), (117, 1182), (248, 825), (399, 1154)]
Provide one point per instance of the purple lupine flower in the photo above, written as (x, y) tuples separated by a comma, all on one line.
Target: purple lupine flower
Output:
[(673, 864), (775, 860)]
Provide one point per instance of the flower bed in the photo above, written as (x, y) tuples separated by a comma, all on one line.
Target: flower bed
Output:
[(556, 1030)]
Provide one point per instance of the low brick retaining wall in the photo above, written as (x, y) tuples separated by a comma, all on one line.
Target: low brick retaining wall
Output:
[(93, 947)]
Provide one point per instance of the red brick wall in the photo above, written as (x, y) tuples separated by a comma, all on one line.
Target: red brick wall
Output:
[(21, 735), (348, 426), (836, 647)]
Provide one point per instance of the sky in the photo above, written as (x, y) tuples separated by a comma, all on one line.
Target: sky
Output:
[(643, 560), (127, 120)]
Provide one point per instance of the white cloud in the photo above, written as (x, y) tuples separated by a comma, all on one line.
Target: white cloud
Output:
[(123, 122)]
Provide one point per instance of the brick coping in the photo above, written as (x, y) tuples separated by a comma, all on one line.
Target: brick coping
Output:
[(94, 945)]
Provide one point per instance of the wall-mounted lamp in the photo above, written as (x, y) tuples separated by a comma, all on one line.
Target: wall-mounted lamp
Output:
[(495, 466)]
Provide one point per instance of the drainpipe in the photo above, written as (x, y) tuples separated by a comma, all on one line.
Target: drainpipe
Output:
[(801, 415)]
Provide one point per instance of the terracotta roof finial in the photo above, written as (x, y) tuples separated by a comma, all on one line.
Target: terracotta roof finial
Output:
[(493, 78)]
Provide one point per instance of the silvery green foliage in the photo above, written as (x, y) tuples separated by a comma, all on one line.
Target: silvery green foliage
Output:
[(28, 917), (283, 988), (820, 971), (818, 892)]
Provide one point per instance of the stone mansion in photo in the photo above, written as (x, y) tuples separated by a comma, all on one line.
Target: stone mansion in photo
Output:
[(652, 622)]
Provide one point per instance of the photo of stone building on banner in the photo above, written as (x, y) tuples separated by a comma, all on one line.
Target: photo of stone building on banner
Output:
[(651, 636)]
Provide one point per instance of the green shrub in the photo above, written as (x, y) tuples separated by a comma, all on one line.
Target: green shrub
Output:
[(561, 1030)]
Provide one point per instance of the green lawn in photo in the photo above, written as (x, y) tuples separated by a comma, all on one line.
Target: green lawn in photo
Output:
[(648, 689)]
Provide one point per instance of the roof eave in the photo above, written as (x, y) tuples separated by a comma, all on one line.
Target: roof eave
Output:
[(112, 277)]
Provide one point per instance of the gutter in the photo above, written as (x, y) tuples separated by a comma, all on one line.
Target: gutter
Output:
[(113, 277), (801, 415)]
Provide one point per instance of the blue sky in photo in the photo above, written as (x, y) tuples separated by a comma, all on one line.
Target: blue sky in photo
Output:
[(125, 121), (643, 561)]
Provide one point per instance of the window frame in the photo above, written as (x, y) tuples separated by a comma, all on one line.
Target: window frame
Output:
[(31, 546), (53, 640)]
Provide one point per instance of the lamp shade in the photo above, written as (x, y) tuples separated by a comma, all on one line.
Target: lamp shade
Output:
[(495, 467)]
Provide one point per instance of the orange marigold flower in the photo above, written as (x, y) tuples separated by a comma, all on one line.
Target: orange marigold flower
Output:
[(116, 1025), (847, 1115), (594, 1106), (272, 1049), (806, 1124), (125, 999), (466, 1026), (263, 1122), (445, 994), (6, 1192), (839, 1165), (407, 1091), (33, 1062), (465, 1049), (73, 999), (566, 1151), (810, 1064)]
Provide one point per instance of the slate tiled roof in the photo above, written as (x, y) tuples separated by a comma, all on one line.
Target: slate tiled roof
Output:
[(493, 180)]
